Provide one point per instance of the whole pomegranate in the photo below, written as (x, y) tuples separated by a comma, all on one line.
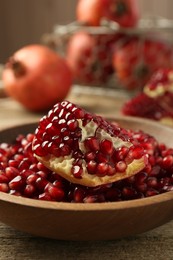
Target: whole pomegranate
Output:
[(124, 12), (136, 59), (90, 57), (37, 77)]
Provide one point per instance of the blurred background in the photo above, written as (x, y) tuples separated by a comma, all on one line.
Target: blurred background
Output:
[(23, 22)]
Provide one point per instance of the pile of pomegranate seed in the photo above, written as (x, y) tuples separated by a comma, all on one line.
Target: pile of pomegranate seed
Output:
[(89, 146), (22, 175)]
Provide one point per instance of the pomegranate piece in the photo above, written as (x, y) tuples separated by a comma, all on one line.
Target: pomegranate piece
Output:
[(83, 148), (38, 182), (156, 100), (136, 59)]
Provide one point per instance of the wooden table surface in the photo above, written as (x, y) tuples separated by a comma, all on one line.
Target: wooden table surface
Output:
[(155, 244)]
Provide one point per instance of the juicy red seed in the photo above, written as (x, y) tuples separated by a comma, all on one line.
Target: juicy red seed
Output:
[(32, 178), (72, 124), (79, 194), (113, 194), (3, 178), (101, 158), (45, 196), (152, 182), (111, 170), (24, 164), (54, 192), (121, 166), (11, 172), (4, 187), (94, 198), (91, 167), (17, 183), (101, 169), (136, 152), (167, 161), (151, 192), (90, 156), (15, 192), (41, 183), (13, 163), (38, 150), (140, 178), (76, 171), (92, 144), (106, 147), (128, 192), (29, 190)]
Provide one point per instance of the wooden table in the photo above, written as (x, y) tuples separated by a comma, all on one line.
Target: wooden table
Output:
[(155, 244)]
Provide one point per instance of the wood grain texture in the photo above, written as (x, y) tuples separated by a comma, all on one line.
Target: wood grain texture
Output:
[(153, 245)]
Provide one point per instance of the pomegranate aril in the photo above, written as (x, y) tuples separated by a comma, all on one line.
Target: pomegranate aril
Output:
[(4, 187), (41, 183), (3, 178), (92, 144), (17, 183), (91, 167), (167, 162), (151, 192), (106, 147), (45, 196), (121, 166), (79, 194), (94, 198), (152, 182), (56, 193), (11, 172), (76, 170), (29, 191), (101, 169)]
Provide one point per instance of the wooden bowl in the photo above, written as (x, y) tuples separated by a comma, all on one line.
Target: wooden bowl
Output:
[(97, 221)]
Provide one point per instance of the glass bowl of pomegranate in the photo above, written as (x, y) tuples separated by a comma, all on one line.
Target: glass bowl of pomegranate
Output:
[(77, 176), (113, 56)]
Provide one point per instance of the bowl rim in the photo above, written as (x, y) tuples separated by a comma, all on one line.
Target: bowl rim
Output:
[(97, 206), (72, 206)]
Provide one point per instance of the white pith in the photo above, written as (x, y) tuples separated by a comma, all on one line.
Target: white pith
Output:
[(160, 89)]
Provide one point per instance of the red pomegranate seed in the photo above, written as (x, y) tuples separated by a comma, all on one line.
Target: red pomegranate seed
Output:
[(45, 196), (79, 194), (41, 183), (77, 171), (121, 166), (29, 191), (4, 187), (92, 144), (106, 147), (11, 172), (17, 183), (101, 169), (56, 193), (3, 178), (167, 162)]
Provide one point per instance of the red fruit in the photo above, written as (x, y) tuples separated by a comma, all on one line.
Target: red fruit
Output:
[(89, 12), (90, 57), (89, 134), (135, 60), (37, 77), (156, 100), (124, 12)]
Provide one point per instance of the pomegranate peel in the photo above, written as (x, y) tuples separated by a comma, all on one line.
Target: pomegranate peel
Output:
[(85, 148)]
